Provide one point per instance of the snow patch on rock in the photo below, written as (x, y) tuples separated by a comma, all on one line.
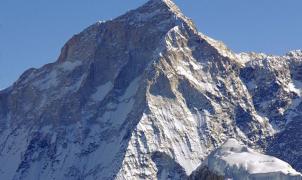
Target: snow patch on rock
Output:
[(102, 91)]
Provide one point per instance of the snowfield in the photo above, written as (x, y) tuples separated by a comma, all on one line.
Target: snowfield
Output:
[(237, 161)]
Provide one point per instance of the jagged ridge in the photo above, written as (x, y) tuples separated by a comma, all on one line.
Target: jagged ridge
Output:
[(141, 96)]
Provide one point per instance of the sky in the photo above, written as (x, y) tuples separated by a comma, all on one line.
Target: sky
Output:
[(32, 32)]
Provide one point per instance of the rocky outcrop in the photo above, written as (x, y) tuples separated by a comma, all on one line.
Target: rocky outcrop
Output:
[(204, 173)]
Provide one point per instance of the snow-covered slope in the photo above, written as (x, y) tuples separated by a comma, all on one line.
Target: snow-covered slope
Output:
[(237, 161), (142, 96)]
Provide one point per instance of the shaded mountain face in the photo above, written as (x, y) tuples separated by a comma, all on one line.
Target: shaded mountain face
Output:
[(274, 82), (145, 96)]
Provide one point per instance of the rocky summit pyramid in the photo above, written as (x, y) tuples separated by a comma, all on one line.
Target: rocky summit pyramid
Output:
[(146, 96)]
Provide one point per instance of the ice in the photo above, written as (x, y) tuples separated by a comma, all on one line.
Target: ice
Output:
[(49, 81), (233, 159), (102, 91), (69, 66), (119, 112), (293, 88), (133, 87), (251, 85), (188, 75), (11, 150)]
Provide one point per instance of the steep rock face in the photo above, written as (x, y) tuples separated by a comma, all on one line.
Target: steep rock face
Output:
[(143, 96), (275, 85)]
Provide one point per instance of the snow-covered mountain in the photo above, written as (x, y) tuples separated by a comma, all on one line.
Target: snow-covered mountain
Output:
[(146, 96), (234, 160)]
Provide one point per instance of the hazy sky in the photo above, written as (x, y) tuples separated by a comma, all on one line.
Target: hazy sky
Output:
[(32, 32)]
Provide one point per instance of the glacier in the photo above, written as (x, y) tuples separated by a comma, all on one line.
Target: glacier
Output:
[(234, 160)]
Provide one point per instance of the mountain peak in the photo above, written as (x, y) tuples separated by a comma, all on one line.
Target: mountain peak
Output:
[(154, 18), (158, 11), (150, 97), (167, 3)]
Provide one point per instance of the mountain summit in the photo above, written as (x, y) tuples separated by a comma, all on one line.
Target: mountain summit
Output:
[(146, 96)]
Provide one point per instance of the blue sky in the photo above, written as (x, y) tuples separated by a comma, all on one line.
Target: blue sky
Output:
[(32, 32)]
